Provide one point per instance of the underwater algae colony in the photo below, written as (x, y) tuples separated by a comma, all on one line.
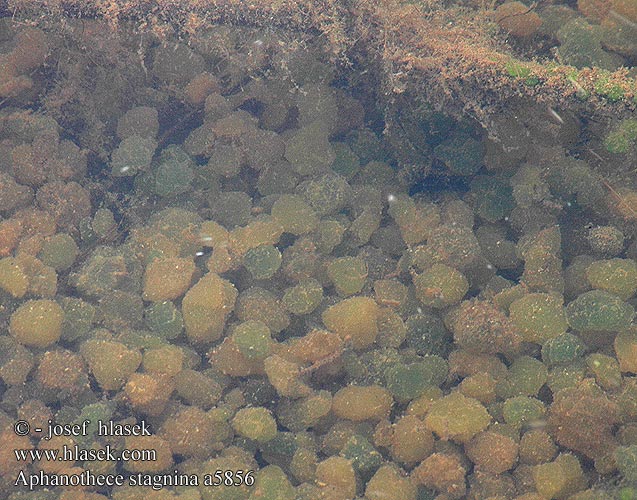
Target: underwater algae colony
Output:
[(236, 264)]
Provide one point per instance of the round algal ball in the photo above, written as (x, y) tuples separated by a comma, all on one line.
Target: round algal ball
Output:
[(440, 286), (257, 424), (13, 277), (599, 311), (562, 349), (164, 319), (37, 323), (262, 261), (348, 274), (408, 381), (607, 241), (461, 154), (617, 276), (296, 216), (481, 327), (626, 459), (59, 252), (253, 339), (359, 403), (174, 172), (457, 417), (523, 410), (538, 316), (304, 297)]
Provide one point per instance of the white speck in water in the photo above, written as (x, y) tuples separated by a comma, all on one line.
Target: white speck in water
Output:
[(554, 114), (199, 254)]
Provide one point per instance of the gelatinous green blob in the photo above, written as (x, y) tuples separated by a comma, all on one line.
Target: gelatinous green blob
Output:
[(539, 316), (562, 349), (255, 423), (599, 311), (253, 339), (164, 319), (523, 410), (616, 276), (348, 274), (408, 381), (262, 261), (304, 297), (440, 286)]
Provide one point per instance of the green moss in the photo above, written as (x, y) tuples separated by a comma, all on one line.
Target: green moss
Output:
[(605, 87), (518, 69), (623, 137)]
